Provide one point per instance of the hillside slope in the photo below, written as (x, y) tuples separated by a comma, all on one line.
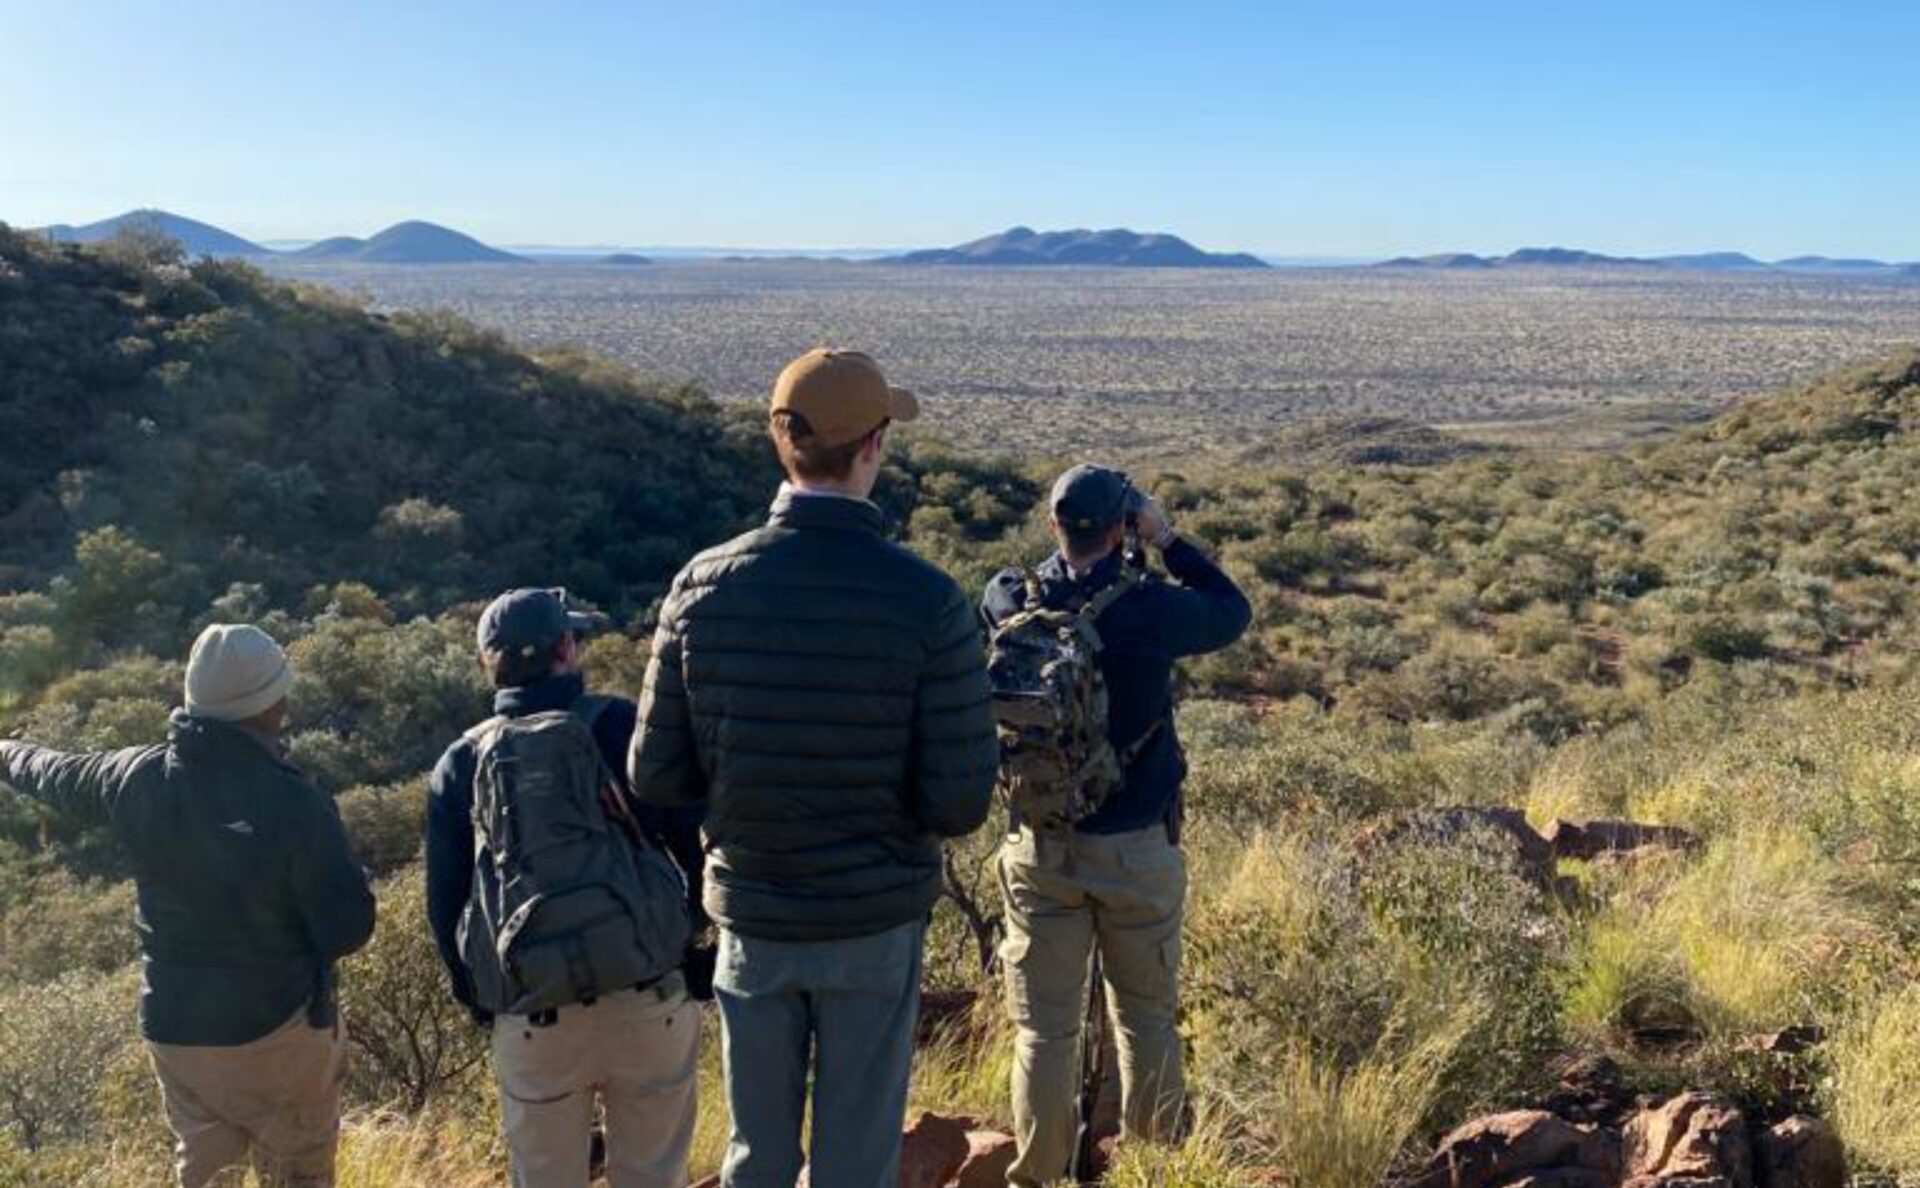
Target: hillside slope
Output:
[(1775, 541), (253, 432)]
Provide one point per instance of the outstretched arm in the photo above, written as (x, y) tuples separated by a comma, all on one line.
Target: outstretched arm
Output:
[(81, 788)]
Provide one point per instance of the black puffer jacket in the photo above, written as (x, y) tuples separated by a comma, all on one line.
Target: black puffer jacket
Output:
[(824, 692), (247, 891)]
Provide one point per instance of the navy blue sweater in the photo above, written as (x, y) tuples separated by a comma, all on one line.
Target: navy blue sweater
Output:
[(1143, 633), (450, 859)]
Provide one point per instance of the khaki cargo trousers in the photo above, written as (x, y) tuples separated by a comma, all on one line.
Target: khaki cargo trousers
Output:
[(1064, 894), (272, 1104), (636, 1051)]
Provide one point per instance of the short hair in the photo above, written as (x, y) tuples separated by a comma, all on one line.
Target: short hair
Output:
[(804, 456), (517, 669)]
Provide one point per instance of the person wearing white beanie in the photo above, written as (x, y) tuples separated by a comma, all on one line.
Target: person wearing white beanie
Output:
[(248, 897), (236, 673)]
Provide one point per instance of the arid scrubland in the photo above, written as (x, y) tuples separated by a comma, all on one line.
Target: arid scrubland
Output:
[(1713, 633), (1169, 362)]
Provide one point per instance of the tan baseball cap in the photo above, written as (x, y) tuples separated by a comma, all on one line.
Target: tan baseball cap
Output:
[(842, 394)]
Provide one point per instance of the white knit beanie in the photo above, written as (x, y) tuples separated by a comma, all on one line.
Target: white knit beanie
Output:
[(235, 672)]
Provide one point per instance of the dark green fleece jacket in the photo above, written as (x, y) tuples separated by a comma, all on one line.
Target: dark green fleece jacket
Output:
[(247, 892), (823, 691)]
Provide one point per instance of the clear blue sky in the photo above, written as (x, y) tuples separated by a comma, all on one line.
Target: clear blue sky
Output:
[(1299, 128)]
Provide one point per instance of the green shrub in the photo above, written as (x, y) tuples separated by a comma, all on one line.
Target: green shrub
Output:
[(122, 704), (59, 1043), (60, 924), (1470, 934), (31, 655), (411, 1040), (376, 703), (385, 823)]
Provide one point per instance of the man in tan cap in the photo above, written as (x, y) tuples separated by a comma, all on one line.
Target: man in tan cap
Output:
[(247, 896), (822, 692)]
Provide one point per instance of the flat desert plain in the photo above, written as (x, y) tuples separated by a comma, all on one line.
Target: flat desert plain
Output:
[(1149, 362)]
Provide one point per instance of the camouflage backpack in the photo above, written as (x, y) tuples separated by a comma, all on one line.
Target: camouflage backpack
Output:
[(1057, 762)]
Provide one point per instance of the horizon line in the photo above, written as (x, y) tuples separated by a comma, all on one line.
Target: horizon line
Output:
[(1296, 257)]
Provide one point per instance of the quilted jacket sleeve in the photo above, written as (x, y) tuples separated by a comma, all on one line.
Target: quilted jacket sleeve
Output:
[(329, 887), (81, 788), (663, 764), (955, 749)]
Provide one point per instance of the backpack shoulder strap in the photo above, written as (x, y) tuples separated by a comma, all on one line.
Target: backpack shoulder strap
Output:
[(481, 732), (1138, 746), (1120, 587), (588, 708)]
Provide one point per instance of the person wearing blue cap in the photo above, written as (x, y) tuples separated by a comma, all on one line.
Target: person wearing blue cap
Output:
[(562, 910), (1092, 862)]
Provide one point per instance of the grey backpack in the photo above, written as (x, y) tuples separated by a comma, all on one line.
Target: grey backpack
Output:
[(580, 903)]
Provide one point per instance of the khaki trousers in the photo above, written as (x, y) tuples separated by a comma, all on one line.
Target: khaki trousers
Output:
[(1064, 894), (637, 1050), (273, 1104)]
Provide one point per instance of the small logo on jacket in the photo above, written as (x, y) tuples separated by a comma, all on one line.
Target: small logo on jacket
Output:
[(243, 827)]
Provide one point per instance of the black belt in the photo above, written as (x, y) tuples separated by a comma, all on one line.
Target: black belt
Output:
[(551, 1015)]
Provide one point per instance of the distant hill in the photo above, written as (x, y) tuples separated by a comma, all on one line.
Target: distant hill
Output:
[(625, 259), (335, 248), (1559, 257), (412, 242), (1527, 257), (199, 239), (1835, 266), (1440, 260), (1714, 262), (1829, 264), (1115, 248)]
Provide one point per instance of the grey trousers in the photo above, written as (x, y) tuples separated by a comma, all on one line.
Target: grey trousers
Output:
[(844, 1009)]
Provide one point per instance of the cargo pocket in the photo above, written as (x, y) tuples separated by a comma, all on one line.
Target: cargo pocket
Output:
[(1013, 950), (1170, 967)]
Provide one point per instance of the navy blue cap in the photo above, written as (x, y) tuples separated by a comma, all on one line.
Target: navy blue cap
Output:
[(528, 620), (1090, 497)]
